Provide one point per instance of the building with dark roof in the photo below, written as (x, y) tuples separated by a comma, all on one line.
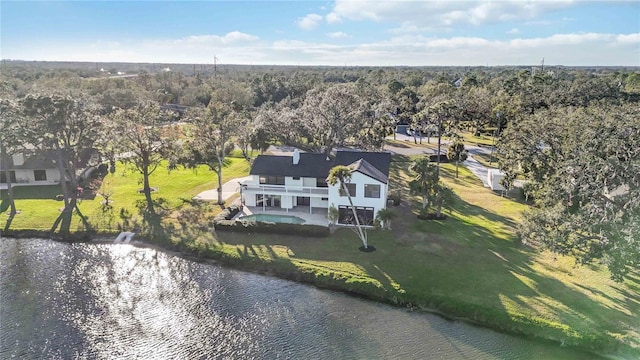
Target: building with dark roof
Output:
[(298, 182)]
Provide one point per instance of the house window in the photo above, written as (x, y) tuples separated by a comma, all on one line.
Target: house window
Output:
[(296, 178), (351, 188), (365, 215), (324, 199), (372, 191), (272, 180), (321, 182), (3, 176), (40, 175), (268, 200)]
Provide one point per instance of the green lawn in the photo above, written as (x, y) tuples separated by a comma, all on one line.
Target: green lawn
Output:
[(481, 140), (39, 210)]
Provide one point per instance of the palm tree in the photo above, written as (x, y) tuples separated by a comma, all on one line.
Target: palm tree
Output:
[(443, 196), (385, 216), (425, 180), (342, 175), (457, 152)]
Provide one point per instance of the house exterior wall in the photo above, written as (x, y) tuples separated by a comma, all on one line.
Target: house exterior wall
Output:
[(319, 203), (27, 177), (290, 181), (309, 181), (288, 193), (360, 200)]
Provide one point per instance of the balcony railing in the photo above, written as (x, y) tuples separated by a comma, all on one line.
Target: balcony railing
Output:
[(293, 190)]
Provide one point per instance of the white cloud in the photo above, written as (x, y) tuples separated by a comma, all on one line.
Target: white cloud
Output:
[(309, 22), (628, 39), (233, 37), (333, 18), (338, 35), (444, 14), (514, 31)]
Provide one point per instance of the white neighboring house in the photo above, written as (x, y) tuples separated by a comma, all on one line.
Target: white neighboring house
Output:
[(299, 182), (36, 169)]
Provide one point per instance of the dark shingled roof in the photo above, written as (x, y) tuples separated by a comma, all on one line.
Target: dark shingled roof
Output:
[(381, 160), (310, 165), (375, 164), (364, 167), (39, 161)]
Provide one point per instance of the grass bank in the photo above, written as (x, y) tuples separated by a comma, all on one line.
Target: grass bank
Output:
[(468, 266)]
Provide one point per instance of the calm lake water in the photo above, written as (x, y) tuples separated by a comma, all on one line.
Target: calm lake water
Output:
[(99, 301)]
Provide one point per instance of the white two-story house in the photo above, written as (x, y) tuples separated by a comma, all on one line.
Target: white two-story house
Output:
[(299, 182)]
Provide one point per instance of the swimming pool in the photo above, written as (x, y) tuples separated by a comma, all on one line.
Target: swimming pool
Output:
[(287, 219)]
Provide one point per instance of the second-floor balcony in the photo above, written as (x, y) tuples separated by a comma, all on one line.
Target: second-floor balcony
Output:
[(288, 190)]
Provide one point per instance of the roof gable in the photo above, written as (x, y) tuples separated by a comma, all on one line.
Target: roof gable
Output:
[(364, 167), (380, 160)]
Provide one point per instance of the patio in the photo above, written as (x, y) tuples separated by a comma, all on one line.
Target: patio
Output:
[(317, 217)]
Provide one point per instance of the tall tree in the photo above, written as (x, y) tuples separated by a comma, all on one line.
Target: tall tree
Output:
[(331, 116), (13, 134), (444, 115), (341, 175), (376, 122), (71, 128), (145, 136), (211, 138)]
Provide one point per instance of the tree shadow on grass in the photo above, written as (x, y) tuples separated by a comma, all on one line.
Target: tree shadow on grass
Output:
[(462, 269)]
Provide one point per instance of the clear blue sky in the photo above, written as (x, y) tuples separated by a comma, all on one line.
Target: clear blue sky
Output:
[(324, 32)]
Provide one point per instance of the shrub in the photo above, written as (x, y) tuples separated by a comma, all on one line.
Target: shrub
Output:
[(271, 228), (443, 158), (395, 197), (228, 213)]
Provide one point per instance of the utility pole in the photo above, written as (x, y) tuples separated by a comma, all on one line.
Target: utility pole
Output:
[(215, 65)]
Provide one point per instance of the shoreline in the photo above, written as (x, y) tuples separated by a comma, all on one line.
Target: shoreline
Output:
[(216, 257)]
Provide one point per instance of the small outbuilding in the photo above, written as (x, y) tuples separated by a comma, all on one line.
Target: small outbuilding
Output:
[(494, 176)]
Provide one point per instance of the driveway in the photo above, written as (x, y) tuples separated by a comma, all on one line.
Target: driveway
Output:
[(472, 164), (228, 189)]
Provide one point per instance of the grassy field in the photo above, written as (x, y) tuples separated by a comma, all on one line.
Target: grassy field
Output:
[(468, 266), (481, 140), (39, 210)]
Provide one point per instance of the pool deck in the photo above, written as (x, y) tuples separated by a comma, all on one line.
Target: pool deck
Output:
[(318, 217)]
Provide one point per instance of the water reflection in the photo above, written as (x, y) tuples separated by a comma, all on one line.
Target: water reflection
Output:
[(118, 301)]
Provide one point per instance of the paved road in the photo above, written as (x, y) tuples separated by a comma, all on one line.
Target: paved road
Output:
[(472, 164)]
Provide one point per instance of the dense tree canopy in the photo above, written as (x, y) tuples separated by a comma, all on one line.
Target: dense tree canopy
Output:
[(584, 165)]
